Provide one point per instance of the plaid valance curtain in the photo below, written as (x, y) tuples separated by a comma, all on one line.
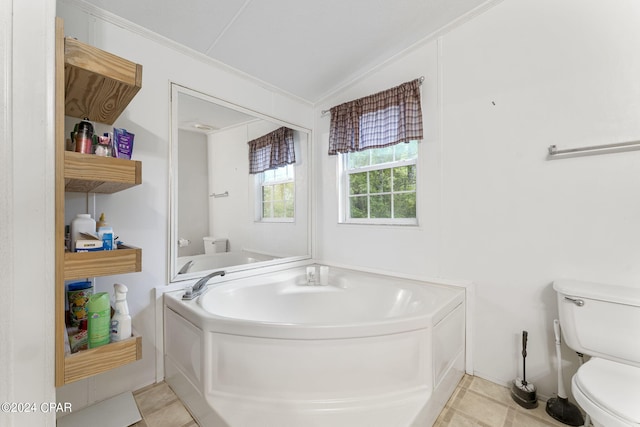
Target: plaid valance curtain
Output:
[(271, 151), (379, 120)]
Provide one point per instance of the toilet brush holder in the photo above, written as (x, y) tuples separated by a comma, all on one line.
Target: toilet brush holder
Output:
[(523, 392)]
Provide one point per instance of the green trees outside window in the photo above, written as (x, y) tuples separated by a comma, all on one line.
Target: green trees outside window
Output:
[(278, 194), (381, 184)]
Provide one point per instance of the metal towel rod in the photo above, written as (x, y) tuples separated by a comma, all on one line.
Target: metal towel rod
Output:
[(553, 150), (216, 195)]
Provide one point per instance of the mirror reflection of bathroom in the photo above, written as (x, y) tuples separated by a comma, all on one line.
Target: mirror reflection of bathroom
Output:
[(223, 216)]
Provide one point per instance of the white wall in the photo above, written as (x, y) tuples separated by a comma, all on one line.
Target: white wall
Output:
[(27, 177), (499, 90), (560, 73), (141, 214), (234, 217), (400, 248), (193, 191)]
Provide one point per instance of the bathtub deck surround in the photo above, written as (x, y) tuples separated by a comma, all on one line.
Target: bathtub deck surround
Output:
[(365, 349)]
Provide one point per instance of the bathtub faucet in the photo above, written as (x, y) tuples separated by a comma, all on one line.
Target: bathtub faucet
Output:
[(197, 289), (314, 280), (185, 268)]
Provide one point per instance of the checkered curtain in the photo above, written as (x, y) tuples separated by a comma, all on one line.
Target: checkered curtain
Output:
[(379, 120), (271, 151)]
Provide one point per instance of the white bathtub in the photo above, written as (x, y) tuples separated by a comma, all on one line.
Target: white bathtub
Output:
[(206, 262), (366, 350)]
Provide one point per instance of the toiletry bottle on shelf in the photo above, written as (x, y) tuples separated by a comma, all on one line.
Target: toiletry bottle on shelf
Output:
[(101, 222), (121, 321), (105, 233), (82, 223), (99, 312), (84, 137)]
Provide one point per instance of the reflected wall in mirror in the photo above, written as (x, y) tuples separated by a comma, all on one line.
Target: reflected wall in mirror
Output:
[(222, 217)]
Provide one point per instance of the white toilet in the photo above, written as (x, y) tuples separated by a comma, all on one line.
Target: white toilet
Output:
[(603, 321), (215, 245)]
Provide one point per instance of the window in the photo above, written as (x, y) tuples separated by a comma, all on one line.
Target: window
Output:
[(379, 185), (377, 138), (276, 194)]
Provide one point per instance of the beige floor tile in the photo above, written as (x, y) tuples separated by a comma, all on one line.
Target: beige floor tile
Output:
[(460, 419), (527, 420), (443, 418), (492, 390), (172, 415), (465, 381), (152, 399), (479, 407)]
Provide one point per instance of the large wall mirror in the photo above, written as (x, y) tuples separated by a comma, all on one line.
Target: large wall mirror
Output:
[(223, 217)]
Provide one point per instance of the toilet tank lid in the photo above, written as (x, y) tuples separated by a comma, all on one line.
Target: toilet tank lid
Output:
[(598, 291)]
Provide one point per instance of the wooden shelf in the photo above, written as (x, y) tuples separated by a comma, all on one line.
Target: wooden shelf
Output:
[(98, 84), (88, 173), (95, 84), (94, 361), (79, 265)]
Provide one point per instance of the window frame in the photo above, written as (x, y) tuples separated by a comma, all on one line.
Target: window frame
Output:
[(344, 190), (260, 183)]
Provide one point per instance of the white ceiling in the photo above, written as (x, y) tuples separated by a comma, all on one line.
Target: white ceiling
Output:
[(309, 48), (199, 115)]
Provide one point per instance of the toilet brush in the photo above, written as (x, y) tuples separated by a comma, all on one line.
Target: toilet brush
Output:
[(559, 407), (523, 392)]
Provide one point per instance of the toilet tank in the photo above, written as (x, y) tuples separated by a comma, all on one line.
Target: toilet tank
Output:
[(213, 245), (600, 320)]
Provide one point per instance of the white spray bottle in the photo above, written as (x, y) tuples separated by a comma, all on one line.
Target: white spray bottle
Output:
[(121, 320)]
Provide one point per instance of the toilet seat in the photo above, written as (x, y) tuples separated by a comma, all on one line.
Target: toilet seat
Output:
[(609, 392)]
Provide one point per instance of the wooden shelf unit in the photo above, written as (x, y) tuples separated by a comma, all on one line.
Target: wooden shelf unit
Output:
[(98, 85)]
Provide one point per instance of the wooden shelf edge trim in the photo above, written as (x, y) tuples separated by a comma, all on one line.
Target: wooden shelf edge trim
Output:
[(94, 361), (88, 173), (79, 265)]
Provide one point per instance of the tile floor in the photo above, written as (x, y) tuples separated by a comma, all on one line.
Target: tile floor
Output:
[(481, 403), (160, 407), (475, 403)]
